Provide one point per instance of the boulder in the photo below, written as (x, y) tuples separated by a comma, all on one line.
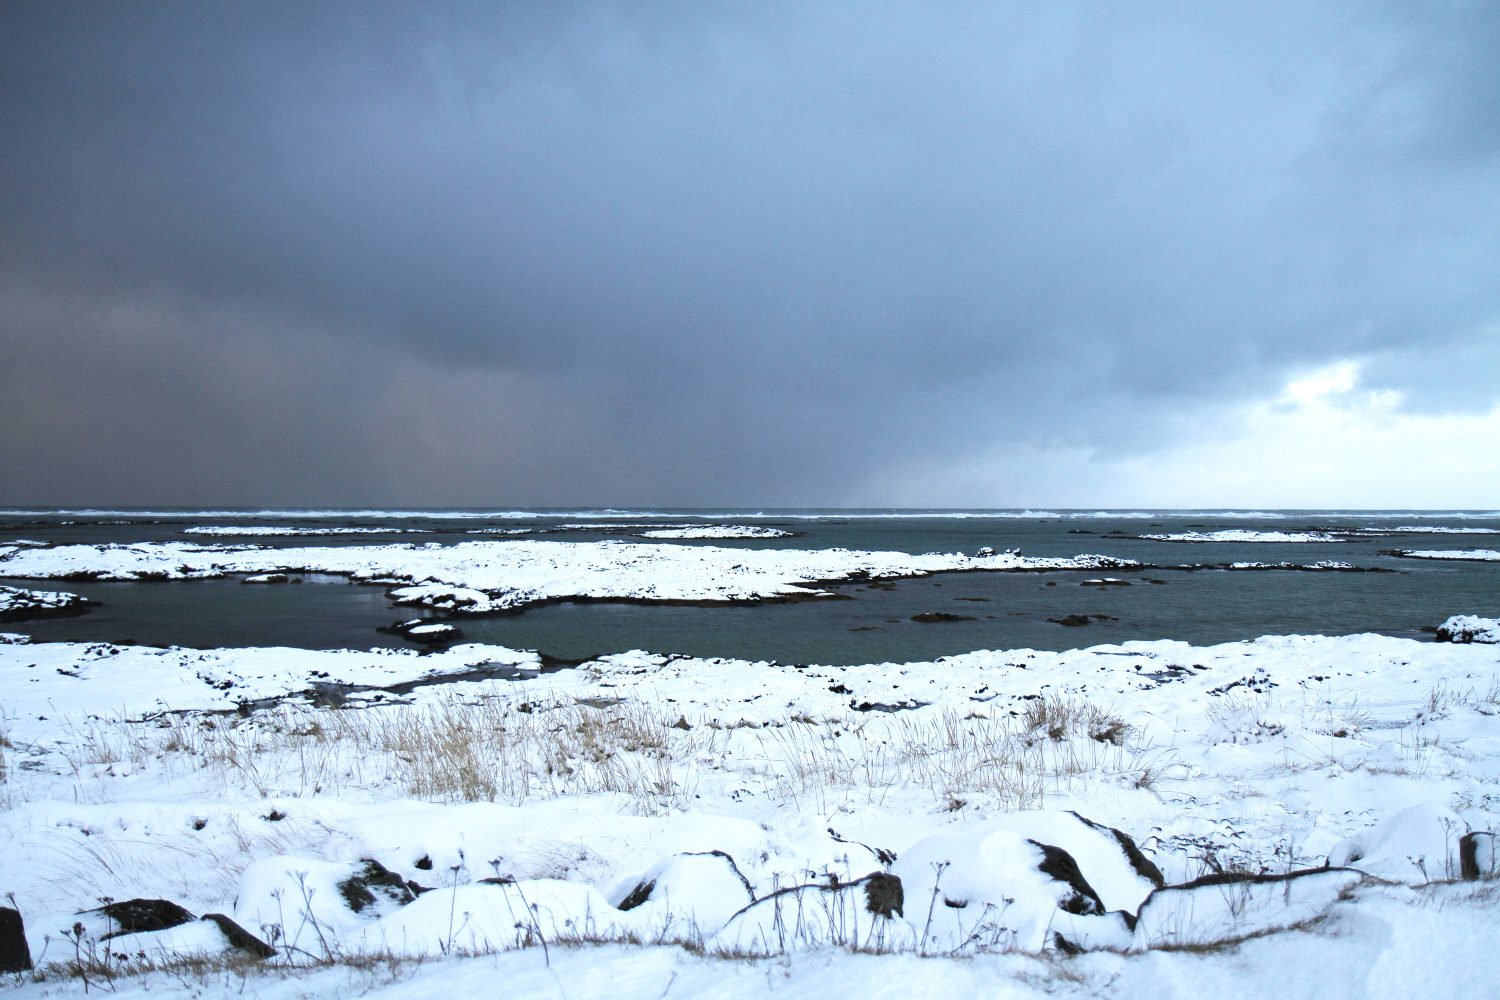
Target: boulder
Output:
[(1469, 628), (1415, 845), (15, 953), (424, 631), (372, 883), (1476, 855), (136, 916), (1232, 906), (1020, 881), (696, 890), (866, 913), (237, 937)]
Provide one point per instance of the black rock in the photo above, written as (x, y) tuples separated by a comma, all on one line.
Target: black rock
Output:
[(940, 616), (424, 631), (372, 882), (137, 916), (1476, 856), (15, 953), (240, 938)]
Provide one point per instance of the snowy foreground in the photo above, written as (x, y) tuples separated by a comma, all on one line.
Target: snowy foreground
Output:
[(410, 825)]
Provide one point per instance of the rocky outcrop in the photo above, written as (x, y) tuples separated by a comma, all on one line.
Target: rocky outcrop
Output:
[(424, 631), (15, 954)]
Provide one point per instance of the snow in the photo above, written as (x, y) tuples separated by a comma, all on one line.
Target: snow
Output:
[(1475, 555), (129, 773), (269, 530), (16, 603), (717, 531), (1469, 628), (1244, 535), (495, 576)]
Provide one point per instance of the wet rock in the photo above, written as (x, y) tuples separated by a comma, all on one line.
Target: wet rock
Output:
[(267, 578), (940, 616), (1071, 621)]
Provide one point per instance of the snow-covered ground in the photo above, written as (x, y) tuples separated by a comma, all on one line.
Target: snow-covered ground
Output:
[(717, 531), (594, 798), (494, 576), (272, 530), (1246, 535), (1470, 555)]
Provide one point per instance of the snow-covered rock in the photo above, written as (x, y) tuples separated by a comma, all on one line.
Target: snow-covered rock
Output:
[(17, 604), (1469, 628)]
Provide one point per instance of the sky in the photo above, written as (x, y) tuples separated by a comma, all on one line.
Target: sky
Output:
[(750, 254)]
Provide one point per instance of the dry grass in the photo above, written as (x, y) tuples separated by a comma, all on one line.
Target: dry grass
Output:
[(452, 749)]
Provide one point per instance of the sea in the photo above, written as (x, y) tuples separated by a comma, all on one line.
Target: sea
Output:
[(1186, 595)]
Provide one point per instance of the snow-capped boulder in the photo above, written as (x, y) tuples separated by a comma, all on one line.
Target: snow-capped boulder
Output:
[(1415, 845), (1234, 906), (428, 633), (863, 913), (1469, 628), (1017, 881), (701, 890)]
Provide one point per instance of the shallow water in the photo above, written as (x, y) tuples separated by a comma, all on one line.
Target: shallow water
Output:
[(869, 623)]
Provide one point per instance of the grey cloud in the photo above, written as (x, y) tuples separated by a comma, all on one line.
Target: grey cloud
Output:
[(754, 253)]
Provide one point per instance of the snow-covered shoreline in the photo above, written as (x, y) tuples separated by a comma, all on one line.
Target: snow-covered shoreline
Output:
[(480, 577), (290, 767)]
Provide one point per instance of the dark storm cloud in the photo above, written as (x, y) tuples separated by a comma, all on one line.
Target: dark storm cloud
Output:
[(711, 253)]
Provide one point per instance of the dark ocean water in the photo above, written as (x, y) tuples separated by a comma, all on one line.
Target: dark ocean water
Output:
[(871, 623)]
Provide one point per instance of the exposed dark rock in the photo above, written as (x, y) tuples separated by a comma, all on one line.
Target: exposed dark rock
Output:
[(682, 867), (1476, 855), (1143, 865), (1072, 621), (424, 631), (136, 916), (373, 882), (940, 616), (1060, 865), (268, 578), (635, 897), (884, 895), (240, 938), (15, 953)]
